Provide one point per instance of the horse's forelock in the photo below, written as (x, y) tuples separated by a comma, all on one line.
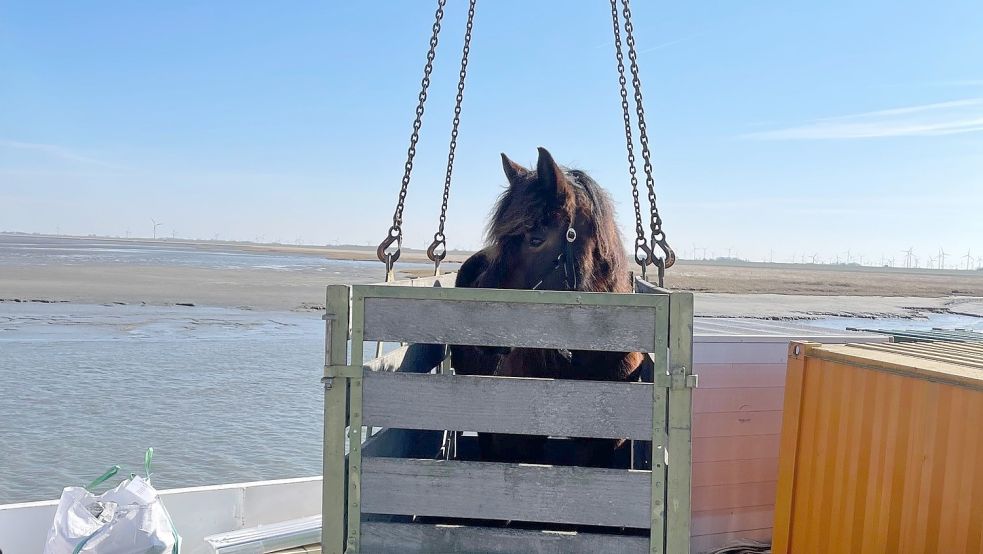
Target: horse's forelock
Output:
[(601, 255)]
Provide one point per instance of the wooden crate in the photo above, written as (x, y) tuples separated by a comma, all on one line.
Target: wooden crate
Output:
[(880, 450), (392, 475), (737, 415)]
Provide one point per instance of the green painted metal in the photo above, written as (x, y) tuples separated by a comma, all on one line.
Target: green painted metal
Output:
[(355, 432), (335, 396), (671, 418), (678, 505), (660, 404), (349, 371)]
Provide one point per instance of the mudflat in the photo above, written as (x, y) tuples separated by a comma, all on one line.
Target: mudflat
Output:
[(292, 278)]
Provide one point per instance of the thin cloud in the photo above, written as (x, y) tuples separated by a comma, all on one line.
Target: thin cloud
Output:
[(942, 118), (671, 43), (56, 152)]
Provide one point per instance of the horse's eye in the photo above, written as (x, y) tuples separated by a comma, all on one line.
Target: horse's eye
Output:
[(536, 241)]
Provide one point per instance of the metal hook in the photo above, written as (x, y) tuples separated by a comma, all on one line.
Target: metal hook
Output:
[(395, 235)]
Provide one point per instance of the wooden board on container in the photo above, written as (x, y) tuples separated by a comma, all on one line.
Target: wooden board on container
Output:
[(565, 408), (626, 328), (417, 538), (484, 490)]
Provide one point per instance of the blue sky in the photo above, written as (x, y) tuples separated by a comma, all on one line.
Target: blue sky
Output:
[(776, 127)]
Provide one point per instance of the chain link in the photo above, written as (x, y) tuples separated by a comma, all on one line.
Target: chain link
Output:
[(438, 248), (396, 231), (643, 254), (658, 237)]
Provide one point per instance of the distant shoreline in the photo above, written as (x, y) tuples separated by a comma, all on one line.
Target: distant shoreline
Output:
[(723, 289)]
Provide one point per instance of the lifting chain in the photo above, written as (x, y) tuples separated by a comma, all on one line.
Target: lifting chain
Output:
[(396, 231), (643, 253), (658, 237), (438, 248)]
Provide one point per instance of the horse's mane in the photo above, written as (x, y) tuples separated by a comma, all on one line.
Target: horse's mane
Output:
[(601, 258)]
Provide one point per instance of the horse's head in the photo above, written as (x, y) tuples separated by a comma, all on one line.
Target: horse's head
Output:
[(554, 229)]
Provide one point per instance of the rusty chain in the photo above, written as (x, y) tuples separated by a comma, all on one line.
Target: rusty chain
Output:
[(396, 231), (438, 248)]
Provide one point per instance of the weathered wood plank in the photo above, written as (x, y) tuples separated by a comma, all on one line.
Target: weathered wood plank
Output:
[(481, 490), (557, 407), (413, 358), (481, 323), (402, 443), (644, 287), (416, 538), (511, 295)]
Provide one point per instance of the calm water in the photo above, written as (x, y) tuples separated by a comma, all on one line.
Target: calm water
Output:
[(222, 395), (31, 250)]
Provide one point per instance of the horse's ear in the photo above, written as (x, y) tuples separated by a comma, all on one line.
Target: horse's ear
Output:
[(513, 171), (551, 175)]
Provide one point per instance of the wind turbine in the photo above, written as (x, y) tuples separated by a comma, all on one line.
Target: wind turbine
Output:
[(942, 255), (156, 225), (969, 259), (908, 255)]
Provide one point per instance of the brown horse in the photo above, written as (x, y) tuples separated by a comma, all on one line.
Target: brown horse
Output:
[(552, 229)]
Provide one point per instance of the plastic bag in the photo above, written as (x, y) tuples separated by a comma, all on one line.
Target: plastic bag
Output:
[(128, 519)]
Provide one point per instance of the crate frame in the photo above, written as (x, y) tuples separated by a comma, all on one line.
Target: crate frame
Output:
[(364, 313)]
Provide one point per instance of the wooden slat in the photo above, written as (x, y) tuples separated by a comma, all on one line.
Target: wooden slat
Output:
[(481, 490), (416, 538), (413, 358), (490, 323), (559, 407), (402, 443)]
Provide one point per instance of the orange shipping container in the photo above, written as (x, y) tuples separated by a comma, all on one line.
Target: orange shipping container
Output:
[(881, 450)]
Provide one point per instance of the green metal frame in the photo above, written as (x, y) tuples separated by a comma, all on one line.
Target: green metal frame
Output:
[(671, 414)]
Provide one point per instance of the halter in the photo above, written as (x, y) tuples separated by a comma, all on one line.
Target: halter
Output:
[(566, 260)]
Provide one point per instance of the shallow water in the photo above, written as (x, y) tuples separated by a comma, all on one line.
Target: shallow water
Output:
[(29, 250), (222, 395)]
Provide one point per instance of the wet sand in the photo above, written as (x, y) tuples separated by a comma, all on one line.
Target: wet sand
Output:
[(729, 289)]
